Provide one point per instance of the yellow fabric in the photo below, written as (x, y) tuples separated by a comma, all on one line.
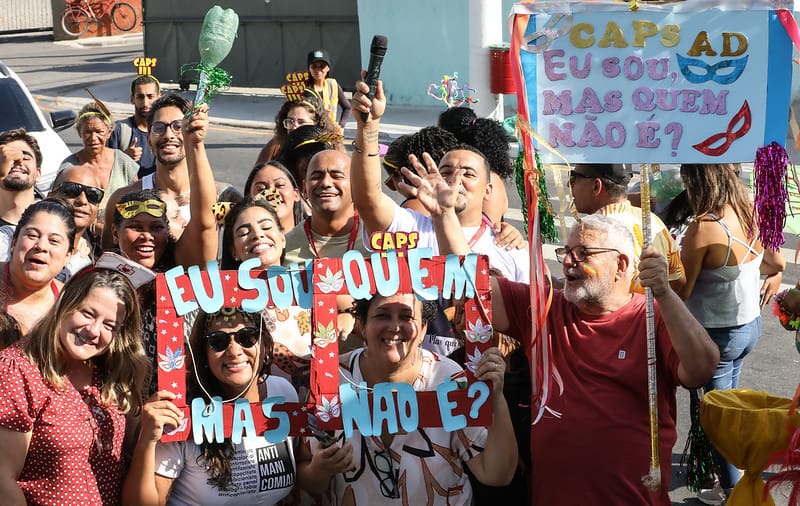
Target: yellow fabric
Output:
[(746, 427), (330, 98), (662, 240)]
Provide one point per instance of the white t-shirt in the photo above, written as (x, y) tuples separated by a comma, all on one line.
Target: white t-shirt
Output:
[(6, 237), (426, 465), (513, 264), (262, 472)]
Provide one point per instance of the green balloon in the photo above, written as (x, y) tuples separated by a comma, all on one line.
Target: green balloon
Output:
[(217, 35)]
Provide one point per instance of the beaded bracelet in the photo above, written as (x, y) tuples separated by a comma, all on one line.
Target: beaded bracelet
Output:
[(361, 152), (790, 321)]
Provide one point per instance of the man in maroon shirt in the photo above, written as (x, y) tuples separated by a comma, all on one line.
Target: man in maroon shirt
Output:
[(592, 445)]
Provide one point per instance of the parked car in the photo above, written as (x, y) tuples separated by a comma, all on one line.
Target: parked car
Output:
[(19, 110)]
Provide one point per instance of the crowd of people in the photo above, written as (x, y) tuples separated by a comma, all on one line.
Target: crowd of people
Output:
[(81, 414)]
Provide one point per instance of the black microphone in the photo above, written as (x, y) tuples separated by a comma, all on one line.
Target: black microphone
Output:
[(376, 52)]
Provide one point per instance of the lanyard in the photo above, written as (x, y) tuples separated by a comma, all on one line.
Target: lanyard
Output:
[(485, 223), (350, 243)]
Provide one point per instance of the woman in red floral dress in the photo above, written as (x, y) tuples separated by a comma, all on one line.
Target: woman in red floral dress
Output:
[(65, 392)]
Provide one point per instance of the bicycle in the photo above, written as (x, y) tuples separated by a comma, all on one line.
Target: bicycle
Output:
[(79, 14)]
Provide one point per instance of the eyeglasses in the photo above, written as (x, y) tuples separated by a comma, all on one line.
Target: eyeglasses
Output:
[(387, 475), (219, 341), (579, 253), (295, 122), (72, 190), (573, 175), (159, 127), (152, 207)]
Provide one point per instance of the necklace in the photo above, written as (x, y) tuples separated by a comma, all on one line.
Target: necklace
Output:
[(312, 244)]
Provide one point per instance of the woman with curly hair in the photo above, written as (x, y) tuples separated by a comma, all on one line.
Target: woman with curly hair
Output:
[(231, 356), (253, 230), (488, 137), (294, 114), (65, 394)]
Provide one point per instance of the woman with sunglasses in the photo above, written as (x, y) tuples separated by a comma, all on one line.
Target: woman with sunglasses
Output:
[(65, 394), (41, 245), (424, 466), (273, 177), (231, 355), (80, 189), (292, 115), (112, 167)]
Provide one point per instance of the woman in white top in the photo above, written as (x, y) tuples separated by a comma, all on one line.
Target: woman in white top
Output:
[(232, 352), (723, 260), (424, 466)]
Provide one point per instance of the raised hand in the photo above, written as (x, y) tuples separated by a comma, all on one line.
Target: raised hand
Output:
[(9, 156), (133, 150), (361, 103), (196, 127), (428, 185)]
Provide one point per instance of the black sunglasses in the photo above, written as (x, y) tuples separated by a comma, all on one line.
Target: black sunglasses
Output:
[(219, 341), (71, 190), (573, 175), (159, 127)]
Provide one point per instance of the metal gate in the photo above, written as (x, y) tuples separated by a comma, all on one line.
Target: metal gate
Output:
[(26, 15), (274, 38)]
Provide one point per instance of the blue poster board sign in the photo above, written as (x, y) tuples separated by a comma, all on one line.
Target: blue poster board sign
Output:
[(692, 82)]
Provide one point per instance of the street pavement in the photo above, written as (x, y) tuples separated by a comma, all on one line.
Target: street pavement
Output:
[(56, 73)]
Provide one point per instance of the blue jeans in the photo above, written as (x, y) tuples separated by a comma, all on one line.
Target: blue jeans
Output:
[(734, 344)]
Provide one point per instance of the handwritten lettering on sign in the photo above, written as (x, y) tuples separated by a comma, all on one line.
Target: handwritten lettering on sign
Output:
[(605, 84)]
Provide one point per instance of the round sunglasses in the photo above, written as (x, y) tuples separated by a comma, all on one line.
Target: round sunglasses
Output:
[(219, 341), (71, 190)]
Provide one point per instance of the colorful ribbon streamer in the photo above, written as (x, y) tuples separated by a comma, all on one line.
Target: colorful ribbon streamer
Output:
[(449, 92), (771, 196), (542, 370)]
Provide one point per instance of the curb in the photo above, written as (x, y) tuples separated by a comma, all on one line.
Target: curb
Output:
[(119, 110), (105, 41)]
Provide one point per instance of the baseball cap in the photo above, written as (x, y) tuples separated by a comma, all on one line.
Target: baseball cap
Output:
[(319, 55), (616, 172)]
